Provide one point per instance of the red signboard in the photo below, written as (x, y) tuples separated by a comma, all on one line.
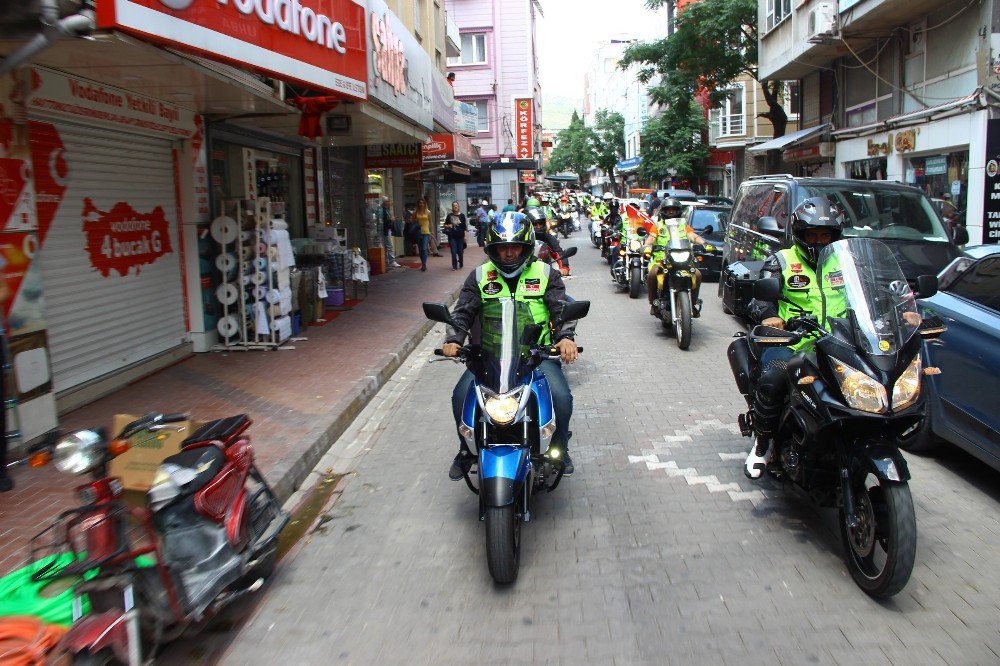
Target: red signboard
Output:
[(122, 238), (320, 43), (441, 147), (526, 177), (524, 129)]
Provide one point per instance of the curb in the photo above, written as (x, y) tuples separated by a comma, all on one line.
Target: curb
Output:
[(286, 481)]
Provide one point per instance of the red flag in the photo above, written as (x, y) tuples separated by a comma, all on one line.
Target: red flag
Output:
[(637, 218)]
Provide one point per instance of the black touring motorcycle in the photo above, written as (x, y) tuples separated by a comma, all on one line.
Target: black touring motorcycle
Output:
[(851, 397)]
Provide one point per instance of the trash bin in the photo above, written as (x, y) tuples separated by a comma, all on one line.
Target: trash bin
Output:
[(376, 260)]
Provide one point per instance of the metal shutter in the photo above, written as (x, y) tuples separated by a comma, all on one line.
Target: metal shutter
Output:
[(98, 325)]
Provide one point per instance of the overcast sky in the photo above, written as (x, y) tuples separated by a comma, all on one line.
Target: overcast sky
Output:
[(570, 29)]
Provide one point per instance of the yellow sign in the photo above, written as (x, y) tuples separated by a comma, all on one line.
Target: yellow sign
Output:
[(884, 345)]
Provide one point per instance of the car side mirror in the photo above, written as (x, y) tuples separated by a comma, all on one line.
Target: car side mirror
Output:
[(573, 310), (768, 225), (960, 234), (767, 289), (567, 253), (927, 286)]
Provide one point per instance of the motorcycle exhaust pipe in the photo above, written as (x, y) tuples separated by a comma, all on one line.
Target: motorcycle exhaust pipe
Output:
[(739, 361)]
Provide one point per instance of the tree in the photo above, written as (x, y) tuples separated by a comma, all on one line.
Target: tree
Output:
[(715, 43), (574, 149), (672, 142), (609, 144)]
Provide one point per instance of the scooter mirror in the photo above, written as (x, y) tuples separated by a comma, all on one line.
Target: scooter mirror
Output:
[(438, 312), (641, 232), (574, 310), (927, 286)]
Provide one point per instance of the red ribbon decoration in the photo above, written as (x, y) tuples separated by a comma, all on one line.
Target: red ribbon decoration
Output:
[(312, 109)]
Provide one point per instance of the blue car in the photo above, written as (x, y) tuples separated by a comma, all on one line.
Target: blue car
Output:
[(963, 402)]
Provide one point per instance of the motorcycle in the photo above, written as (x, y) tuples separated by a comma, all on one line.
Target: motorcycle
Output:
[(596, 235), (508, 421), (632, 265), (550, 256), (851, 398), (674, 284), (211, 524), (564, 218)]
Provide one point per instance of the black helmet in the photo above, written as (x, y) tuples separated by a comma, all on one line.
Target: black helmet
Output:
[(508, 228), (671, 207), (816, 213), (535, 215)]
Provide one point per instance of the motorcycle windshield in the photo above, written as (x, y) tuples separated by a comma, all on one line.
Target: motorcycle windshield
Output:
[(505, 349), (678, 241), (863, 283)]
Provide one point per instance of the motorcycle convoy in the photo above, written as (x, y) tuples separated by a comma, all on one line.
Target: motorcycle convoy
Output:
[(208, 535)]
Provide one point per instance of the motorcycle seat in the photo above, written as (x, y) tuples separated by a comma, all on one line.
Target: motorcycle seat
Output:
[(203, 462), (222, 430)]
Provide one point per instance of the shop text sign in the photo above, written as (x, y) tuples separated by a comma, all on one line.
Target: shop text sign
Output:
[(122, 239), (442, 147), (524, 130), (320, 43), (991, 203), (54, 92), (902, 142), (399, 69), (393, 156), (526, 177)]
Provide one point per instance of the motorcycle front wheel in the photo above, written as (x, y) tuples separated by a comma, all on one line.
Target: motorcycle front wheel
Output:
[(503, 543), (682, 325), (634, 282), (881, 549)]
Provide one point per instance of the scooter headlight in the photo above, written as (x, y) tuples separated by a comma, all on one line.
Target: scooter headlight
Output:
[(860, 391), (906, 390), (79, 452), (502, 408), (680, 256)]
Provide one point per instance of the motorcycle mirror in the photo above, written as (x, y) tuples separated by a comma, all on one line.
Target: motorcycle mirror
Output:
[(927, 286), (769, 226), (960, 234), (573, 310), (767, 289), (439, 312), (641, 232), (568, 252), (707, 231)]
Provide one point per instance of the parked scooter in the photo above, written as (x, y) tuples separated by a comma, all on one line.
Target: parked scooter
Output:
[(508, 420), (211, 524), (851, 397)]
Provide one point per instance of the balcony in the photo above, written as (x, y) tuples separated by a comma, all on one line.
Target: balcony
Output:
[(724, 127), (452, 38)]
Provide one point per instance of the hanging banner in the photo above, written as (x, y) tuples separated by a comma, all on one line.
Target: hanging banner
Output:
[(991, 193), (319, 43), (524, 129)]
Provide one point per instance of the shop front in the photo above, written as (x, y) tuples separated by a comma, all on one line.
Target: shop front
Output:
[(815, 160)]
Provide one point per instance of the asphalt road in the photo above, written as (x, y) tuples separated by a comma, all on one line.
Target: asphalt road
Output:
[(657, 551)]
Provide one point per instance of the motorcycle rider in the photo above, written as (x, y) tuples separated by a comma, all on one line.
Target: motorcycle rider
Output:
[(816, 223), (671, 215), (512, 269), (540, 225)]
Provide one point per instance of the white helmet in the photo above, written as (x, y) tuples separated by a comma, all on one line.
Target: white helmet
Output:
[(608, 196)]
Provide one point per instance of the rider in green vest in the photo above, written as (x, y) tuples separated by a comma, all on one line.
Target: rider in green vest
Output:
[(672, 222), (513, 272), (816, 223)]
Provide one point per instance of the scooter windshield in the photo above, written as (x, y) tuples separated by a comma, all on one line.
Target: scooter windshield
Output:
[(863, 283), (505, 349)]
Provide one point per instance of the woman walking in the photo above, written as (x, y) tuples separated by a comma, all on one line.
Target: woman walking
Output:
[(454, 229), (423, 218)]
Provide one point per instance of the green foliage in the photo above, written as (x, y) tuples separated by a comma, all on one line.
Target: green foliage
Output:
[(673, 141), (574, 150), (609, 144)]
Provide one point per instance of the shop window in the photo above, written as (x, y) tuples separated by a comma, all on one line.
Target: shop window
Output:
[(941, 176), (473, 50), (871, 169)]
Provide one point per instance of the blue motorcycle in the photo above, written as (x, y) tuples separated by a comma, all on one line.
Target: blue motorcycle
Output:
[(508, 421)]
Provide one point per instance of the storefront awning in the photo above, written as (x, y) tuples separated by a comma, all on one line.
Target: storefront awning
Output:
[(911, 117), (789, 140), (445, 172)]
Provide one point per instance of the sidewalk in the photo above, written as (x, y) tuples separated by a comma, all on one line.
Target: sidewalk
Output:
[(300, 400)]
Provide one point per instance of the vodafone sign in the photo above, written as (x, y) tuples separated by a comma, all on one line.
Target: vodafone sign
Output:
[(319, 43)]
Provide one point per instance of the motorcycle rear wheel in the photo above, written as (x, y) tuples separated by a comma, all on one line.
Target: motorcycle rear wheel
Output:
[(881, 550), (682, 326), (635, 282), (503, 543)]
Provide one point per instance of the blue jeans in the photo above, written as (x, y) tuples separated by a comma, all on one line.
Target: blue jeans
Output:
[(457, 258), (422, 245), (562, 400)]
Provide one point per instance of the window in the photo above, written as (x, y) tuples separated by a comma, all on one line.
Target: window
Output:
[(437, 59), (777, 11), (473, 50), (418, 16), (792, 99), (483, 106), (731, 118), (981, 284)]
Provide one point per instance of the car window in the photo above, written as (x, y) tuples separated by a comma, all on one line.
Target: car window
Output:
[(780, 208), (981, 284), (754, 204), (881, 212), (699, 218)]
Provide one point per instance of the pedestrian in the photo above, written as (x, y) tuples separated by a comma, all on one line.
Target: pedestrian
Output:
[(411, 234), (654, 205), (492, 212), (423, 218), (509, 206), (387, 224), (455, 226), (482, 222)]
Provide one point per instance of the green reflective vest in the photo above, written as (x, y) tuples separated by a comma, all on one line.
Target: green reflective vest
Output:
[(532, 201), (531, 286), (822, 296), (676, 225)]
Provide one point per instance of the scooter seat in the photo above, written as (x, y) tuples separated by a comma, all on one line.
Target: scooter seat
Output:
[(203, 463)]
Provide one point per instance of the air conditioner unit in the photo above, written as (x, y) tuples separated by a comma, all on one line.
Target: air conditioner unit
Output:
[(822, 25)]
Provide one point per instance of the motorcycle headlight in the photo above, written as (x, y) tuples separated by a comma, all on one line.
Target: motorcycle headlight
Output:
[(79, 452), (634, 245), (680, 256), (906, 390), (861, 391), (502, 408)]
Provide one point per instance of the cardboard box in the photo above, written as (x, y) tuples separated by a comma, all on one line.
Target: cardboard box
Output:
[(137, 466)]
